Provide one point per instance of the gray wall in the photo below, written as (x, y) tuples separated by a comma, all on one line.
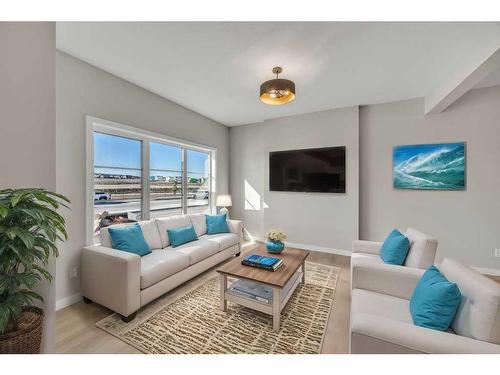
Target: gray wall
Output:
[(466, 223), (28, 130), (85, 90), (317, 221)]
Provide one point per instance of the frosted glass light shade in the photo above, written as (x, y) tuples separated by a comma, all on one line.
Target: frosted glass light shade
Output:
[(224, 200)]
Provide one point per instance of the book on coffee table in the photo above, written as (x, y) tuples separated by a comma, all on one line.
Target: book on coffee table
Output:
[(259, 261), (249, 289)]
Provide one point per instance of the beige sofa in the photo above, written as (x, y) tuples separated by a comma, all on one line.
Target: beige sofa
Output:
[(421, 254), (124, 282), (381, 321)]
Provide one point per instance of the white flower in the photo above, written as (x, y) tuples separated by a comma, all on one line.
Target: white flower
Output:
[(275, 235)]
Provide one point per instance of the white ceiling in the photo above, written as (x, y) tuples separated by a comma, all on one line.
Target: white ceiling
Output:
[(216, 68)]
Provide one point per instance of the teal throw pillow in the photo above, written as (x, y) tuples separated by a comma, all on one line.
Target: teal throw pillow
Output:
[(217, 224), (435, 301), (395, 248), (180, 236), (129, 238)]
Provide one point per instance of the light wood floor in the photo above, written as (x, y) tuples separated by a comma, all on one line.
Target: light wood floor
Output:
[(76, 331)]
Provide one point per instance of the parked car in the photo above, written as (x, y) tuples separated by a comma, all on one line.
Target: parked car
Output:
[(101, 196), (201, 194)]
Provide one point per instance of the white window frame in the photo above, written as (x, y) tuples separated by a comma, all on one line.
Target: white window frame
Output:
[(113, 128)]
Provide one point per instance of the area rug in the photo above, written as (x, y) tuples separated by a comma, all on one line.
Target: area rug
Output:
[(194, 324)]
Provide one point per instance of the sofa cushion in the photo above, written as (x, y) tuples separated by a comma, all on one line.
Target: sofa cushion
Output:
[(223, 240), (478, 315), (129, 238), (161, 264), (199, 222), (434, 301), (422, 250), (173, 222), (198, 250), (395, 248), (149, 231), (373, 303)]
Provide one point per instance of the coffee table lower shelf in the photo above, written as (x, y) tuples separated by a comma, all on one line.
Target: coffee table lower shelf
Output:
[(273, 308)]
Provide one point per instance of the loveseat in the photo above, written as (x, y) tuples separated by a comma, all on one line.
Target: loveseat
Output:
[(124, 282), (381, 320)]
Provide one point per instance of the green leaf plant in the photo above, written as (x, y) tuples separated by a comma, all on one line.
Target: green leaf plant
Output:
[(29, 228)]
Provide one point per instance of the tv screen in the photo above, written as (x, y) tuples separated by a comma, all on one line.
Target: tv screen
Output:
[(315, 170)]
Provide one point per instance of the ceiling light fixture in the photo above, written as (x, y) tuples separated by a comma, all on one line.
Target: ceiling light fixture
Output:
[(277, 91)]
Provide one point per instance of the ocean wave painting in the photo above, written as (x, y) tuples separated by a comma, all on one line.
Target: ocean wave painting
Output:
[(429, 167)]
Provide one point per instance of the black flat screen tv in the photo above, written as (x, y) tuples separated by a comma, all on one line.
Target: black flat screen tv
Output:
[(315, 170)]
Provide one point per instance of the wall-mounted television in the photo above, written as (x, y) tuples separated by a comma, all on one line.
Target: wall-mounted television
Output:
[(314, 170)]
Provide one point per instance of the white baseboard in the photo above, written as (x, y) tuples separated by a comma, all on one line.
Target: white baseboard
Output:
[(68, 301), (322, 249), (319, 248), (488, 271)]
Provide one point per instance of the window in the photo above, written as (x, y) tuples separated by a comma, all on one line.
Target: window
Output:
[(198, 178), (137, 175), (165, 180), (117, 176)]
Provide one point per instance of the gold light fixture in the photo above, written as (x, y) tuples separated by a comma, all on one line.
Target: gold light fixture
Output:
[(277, 91)]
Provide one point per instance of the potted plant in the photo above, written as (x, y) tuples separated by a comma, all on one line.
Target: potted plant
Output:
[(275, 239), (29, 229)]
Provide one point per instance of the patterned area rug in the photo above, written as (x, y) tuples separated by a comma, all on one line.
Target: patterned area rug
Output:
[(194, 324)]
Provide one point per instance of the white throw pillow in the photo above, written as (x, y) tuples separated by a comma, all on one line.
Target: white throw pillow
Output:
[(422, 249), (199, 222)]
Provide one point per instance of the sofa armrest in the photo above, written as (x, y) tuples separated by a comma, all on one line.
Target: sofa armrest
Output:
[(376, 334), (397, 281), (236, 226), (370, 247), (111, 278)]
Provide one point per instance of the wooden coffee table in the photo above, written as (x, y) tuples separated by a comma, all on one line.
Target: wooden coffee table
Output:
[(293, 268)]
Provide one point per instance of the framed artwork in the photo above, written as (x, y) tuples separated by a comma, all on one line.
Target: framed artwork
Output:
[(429, 167)]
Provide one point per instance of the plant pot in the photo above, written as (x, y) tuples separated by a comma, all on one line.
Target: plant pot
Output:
[(28, 338), (275, 247)]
